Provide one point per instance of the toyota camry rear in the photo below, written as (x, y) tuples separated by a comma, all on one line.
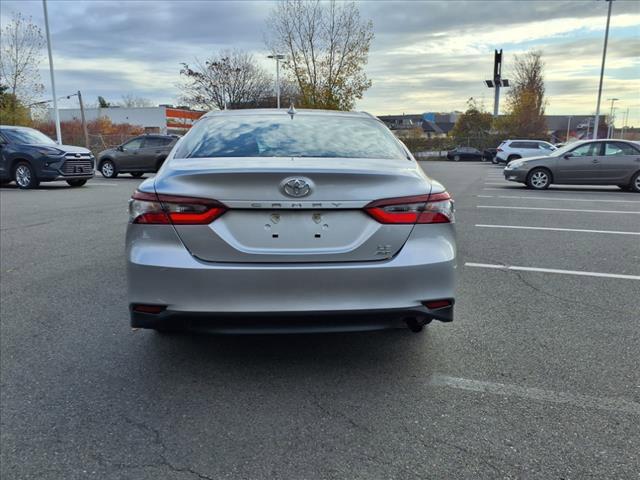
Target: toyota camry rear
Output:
[(276, 221)]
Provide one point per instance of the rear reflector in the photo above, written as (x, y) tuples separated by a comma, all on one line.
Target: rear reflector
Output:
[(149, 308), (150, 208), (435, 304), (434, 208)]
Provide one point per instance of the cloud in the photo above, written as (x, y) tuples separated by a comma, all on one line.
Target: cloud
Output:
[(426, 55)]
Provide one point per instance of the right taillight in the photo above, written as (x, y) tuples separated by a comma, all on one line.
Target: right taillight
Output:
[(434, 208), (151, 208)]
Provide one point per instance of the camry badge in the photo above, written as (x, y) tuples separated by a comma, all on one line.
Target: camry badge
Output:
[(296, 186)]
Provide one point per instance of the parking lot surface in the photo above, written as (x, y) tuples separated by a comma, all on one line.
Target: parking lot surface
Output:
[(537, 377)]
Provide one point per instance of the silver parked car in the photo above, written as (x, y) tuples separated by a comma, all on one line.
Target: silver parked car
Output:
[(589, 162), (276, 221)]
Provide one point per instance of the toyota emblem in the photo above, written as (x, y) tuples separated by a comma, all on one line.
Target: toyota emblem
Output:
[(296, 186)]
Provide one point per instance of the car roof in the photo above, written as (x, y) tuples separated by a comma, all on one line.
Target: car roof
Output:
[(283, 111)]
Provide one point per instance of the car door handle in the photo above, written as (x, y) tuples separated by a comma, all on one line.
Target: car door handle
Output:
[(595, 160)]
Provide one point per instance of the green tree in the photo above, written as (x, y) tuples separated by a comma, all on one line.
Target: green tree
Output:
[(102, 103), (475, 122), (526, 101), (12, 111), (326, 46)]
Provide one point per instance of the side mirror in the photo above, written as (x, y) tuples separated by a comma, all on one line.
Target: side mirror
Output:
[(568, 155), (120, 148)]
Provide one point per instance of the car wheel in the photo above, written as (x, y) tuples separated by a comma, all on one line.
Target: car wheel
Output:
[(137, 174), (456, 158), (108, 169), (24, 176), (539, 179), (634, 186), (494, 160), (512, 157), (77, 182)]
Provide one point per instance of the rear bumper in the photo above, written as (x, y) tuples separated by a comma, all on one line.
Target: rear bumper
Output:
[(289, 322), (161, 271)]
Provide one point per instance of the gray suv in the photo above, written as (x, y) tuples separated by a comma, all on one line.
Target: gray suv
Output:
[(136, 156)]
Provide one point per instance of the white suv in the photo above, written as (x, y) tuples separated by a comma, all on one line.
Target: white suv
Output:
[(514, 149)]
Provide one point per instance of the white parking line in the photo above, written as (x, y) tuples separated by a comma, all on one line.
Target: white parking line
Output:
[(553, 229), (552, 270), (556, 209), (559, 198), (532, 393)]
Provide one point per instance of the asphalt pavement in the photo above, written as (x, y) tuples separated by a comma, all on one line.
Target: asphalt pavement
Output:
[(537, 377)]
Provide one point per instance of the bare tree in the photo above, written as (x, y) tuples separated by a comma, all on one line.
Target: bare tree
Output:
[(526, 101), (327, 47), (231, 79), (21, 51), (129, 100)]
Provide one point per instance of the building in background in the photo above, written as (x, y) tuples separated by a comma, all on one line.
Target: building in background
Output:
[(429, 125), (161, 119)]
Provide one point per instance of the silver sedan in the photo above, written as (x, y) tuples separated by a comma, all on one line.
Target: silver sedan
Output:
[(590, 162), (276, 221)]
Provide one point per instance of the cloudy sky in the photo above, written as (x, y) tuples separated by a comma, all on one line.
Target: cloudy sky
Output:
[(426, 56)]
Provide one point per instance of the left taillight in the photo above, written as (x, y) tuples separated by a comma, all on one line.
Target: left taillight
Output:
[(151, 208), (434, 208)]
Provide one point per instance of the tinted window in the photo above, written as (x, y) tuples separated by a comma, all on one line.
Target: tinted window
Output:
[(279, 135), (587, 150), (133, 144), (156, 142), (545, 146), (615, 148), (26, 136), (518, 144)]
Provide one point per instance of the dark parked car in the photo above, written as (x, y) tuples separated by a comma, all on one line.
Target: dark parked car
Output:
[(490, 154), (464, 153), (29, 157), (591, 162), (136, 156)]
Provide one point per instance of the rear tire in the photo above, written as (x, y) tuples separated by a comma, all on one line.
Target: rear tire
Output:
[(108, 169), (513, 157), (456, 158), (539, 179), (634, 186), (25, 177), (77, 183), (137, 174), (494, 160)]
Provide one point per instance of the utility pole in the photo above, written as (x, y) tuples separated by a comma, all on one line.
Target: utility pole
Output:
[(53, 81), (84, 121), (610, 128), (626, 119), (604, 56), (497, 81), (568, 129), (277, 58)]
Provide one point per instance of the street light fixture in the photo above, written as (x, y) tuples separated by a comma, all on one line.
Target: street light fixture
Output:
[(497, 80), (604, 56), (277, 57)]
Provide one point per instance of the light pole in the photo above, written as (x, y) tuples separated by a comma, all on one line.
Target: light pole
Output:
[(277, 57), (568, 129), (53, 81), (610, 130), (604, 56)]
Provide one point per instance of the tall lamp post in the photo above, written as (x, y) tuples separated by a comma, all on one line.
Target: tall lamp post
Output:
[(277, 57), (610, 129), (497, 80), (53, 81), (604, 56)]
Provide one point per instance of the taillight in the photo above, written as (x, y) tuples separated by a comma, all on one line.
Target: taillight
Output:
[(435, 208), (151, 208), (500, 150)]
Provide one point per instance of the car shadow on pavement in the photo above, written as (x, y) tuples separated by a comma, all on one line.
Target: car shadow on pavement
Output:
[(317, 352)]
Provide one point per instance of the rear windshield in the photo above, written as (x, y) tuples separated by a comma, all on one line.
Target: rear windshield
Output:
[(279, 135)]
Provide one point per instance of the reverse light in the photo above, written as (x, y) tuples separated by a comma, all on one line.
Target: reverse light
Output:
[(434, 208), (436, 304), (151, 208)]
